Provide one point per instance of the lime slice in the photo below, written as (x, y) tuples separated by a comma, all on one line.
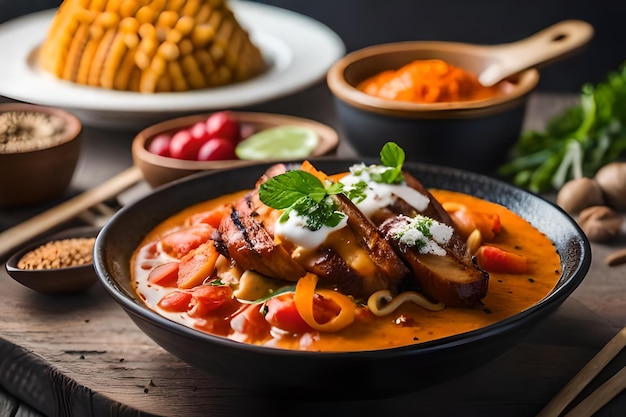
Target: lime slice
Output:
[(282, 142)]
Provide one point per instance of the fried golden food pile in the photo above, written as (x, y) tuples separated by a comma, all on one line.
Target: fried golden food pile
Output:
[(149, 45)]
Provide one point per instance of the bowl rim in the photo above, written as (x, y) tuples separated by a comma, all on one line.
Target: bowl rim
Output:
[(526, 81), (550, 302), (73, 124), (328, 140)]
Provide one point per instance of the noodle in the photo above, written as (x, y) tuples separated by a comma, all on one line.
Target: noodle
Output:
[(381, 303)]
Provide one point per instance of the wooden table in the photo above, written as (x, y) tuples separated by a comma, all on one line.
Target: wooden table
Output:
[(82, 356)]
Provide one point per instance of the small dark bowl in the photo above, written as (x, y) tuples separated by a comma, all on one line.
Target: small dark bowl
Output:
[(473, 135), (39, 176), (346, 374), (70, 280)]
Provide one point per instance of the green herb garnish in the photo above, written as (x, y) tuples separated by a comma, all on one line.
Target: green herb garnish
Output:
[(576, 142), (272, 294), (389, 171), (305, 194), (392, 156)]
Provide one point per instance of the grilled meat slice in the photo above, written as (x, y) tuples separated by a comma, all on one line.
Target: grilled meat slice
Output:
[(372, 241), (356, 259), (456, 247), (445, 278), (328, 264), (251, 245)]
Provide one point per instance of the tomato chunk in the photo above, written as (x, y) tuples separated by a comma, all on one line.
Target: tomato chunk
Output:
[(467, 221), (493, 259), (207, 298), (179, 243), (197, 265), (176, 301), (488, 224), (211, 217), (282, 313), (165, 275), (251, 323)]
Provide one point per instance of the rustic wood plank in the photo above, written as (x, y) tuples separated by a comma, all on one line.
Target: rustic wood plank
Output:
[(91, 351)]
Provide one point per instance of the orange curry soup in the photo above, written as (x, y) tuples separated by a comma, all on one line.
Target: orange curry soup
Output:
[(508, 294)]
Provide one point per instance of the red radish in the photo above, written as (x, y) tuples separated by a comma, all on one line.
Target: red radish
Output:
[(160, 145), (217, 149), (224, 124), (184, 146)]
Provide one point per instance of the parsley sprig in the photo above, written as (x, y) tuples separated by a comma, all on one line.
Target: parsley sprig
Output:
[(304, 193)]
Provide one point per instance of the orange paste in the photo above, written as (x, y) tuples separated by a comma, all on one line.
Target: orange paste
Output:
[(427, 81), (508, 294)]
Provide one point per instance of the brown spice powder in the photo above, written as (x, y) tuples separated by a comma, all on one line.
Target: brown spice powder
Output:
[(59, 254), (23, 131)]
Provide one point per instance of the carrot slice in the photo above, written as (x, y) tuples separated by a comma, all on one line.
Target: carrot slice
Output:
[(493, 259), (197, 265)]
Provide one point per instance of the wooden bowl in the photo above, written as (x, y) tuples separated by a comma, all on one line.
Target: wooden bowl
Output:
[(158, 170), (37, 176), (473, 135), (69, 280)]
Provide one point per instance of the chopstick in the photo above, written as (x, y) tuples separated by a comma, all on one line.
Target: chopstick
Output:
[(19, 234), (600, 396)]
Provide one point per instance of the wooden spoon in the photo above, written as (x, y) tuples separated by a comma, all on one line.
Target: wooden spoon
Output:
[(540, 48)]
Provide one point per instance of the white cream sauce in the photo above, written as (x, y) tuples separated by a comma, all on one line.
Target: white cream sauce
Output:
[(378, 195)]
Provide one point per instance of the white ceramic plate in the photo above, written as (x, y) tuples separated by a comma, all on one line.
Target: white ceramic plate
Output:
[(299, 51)]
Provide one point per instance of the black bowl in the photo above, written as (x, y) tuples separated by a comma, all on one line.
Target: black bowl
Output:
[(348, 374)]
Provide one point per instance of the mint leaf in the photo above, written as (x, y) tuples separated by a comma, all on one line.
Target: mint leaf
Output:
[(392, 156), (305, 194), (282, 191)]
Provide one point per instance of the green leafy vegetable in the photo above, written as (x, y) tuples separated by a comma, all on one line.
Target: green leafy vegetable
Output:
[(576, 142), (305, 194)]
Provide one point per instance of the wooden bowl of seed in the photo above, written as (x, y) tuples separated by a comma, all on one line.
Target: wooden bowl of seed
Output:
[(39, 151), (61, 263)]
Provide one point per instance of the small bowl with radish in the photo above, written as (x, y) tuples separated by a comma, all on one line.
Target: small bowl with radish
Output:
[(180, 147)]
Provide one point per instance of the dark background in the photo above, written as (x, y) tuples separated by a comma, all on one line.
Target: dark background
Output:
[(362, 23)]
